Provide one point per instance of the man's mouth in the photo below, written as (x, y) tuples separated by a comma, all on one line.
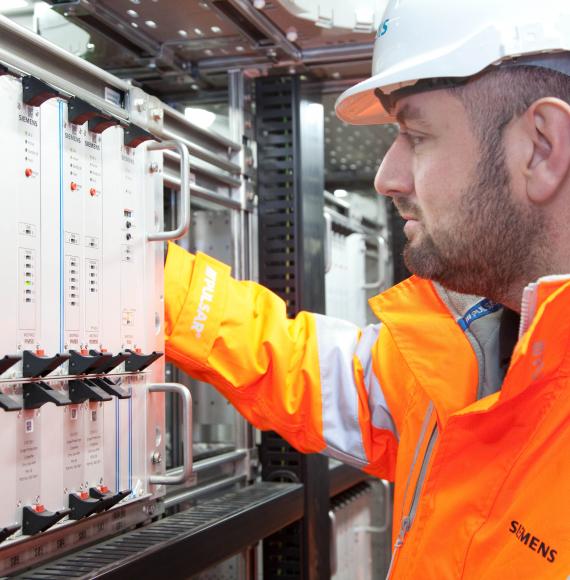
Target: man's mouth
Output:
[(412, 224)]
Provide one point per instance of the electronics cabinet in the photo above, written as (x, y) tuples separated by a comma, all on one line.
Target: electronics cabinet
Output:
[(82, 392)]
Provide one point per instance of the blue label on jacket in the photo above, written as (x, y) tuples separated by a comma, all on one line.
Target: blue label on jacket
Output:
[(480, 309)]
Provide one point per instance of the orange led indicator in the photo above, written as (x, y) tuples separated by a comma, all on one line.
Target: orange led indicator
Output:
[(40, 352), (84, 495), (39, 508), (104, 489), (73, 186), (28, 172), (84, 352)]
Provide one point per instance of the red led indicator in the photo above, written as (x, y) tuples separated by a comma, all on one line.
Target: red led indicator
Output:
[(39, 508), (104, 489), (73, 186), (28, 172), (93, 192), (40, 352), (84, 495)]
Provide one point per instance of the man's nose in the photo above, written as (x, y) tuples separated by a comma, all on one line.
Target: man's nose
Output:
[(394, 176)]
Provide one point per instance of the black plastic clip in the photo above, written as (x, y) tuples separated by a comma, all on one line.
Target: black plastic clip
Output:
[(39, 366), (107, 361), (36, 92), (8, 361), (139, 362), (134, 136), (86, 390), (6, 532), (81, 364), (83, 507), (39, 520), (9, 404), (110, 387), (108, 498), (40, 393), (80, 112)]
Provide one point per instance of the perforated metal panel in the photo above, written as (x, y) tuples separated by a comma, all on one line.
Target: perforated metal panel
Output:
[(278, 210), (290, 138)]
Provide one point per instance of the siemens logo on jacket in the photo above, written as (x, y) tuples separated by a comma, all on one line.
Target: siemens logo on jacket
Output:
[(532, 542)]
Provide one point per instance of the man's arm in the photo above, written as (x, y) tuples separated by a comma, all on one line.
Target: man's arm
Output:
[(310, 378)]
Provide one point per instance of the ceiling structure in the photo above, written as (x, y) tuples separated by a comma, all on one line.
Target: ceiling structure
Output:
[(178, 47), (181, 50)]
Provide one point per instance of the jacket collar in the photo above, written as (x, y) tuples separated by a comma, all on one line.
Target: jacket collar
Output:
[(438, 353), (435, 348), (542, 350)]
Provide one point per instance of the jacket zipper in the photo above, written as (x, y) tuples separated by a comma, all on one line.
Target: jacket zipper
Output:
[(408, 519)]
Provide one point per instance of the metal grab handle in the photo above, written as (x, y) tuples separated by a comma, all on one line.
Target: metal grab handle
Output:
[(333, 550), (382, 245), (184, 213), (387, 507), (186, 472), (328, 241), (382, 529)]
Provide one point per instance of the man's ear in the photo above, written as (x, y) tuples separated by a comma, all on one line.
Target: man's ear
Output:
[(547, 123)]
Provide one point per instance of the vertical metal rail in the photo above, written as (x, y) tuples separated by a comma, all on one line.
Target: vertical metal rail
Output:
[(241, 219)]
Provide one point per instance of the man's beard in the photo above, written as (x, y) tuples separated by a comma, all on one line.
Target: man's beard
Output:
[(493, 244)]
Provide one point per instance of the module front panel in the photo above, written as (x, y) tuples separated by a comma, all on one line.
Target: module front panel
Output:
[(83, 325)]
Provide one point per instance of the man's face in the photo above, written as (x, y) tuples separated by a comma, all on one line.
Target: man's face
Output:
[(465, 228)]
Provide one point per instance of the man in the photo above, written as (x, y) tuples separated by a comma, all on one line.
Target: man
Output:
[(481, 173)]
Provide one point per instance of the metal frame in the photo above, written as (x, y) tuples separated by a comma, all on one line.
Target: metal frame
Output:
[(262, 32), (181, 545), (218, 167)]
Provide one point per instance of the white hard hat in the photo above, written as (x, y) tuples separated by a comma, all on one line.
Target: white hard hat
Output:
[(438, 41)]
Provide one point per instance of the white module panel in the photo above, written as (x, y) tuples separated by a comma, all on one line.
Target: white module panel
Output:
[(346, 282), (82, 337)]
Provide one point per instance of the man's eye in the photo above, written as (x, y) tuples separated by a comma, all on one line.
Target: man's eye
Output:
[(412, 139)]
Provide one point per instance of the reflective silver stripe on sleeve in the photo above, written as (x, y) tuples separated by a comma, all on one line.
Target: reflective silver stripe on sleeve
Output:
[(338, 342), (379, 414)]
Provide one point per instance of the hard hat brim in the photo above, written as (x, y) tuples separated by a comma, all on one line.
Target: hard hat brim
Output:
[(359, 105)]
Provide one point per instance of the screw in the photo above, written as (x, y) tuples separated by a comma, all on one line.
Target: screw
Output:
[(154, 167), (156, 457)]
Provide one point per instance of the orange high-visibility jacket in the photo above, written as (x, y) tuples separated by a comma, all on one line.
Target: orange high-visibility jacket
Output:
[(482, 480)]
